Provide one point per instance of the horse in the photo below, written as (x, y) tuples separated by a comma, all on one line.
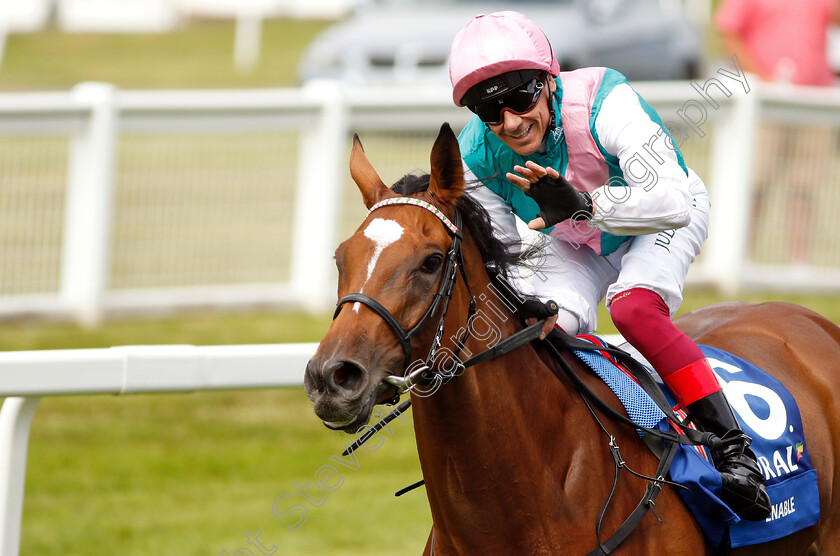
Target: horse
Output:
[(514, 460)]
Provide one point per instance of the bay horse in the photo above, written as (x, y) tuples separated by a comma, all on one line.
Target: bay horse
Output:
[(513, 460)]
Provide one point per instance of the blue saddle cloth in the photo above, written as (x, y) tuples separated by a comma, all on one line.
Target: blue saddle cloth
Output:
[(768, 413)]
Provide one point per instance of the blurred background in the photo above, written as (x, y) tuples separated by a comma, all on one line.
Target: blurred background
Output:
[(174, 172)]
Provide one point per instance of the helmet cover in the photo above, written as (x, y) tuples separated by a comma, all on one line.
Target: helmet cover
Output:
[(492, 45)]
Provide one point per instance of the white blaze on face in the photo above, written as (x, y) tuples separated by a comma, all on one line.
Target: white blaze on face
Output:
[(382, 233)]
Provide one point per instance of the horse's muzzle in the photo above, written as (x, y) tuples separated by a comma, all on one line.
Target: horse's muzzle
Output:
[(338, 389)]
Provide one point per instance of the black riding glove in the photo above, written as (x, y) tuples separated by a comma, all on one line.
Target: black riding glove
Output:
[(533, 307), (559, 200)]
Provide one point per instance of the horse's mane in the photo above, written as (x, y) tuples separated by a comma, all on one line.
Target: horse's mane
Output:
[(502, 259)]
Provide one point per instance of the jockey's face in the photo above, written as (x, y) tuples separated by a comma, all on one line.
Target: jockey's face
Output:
[(524, 132)]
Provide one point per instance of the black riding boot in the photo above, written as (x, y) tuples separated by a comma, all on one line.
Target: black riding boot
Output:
[(743, 483)]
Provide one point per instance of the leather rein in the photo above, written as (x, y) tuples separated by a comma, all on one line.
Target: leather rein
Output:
[(424, 373)]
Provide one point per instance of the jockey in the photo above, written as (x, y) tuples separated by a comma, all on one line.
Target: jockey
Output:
[(583, 158)]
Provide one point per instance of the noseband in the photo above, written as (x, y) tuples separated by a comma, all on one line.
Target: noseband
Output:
[(454, 260)]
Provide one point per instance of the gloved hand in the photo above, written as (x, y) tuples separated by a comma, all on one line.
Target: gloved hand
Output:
[(532, 307), (532, 310), (557, 198)]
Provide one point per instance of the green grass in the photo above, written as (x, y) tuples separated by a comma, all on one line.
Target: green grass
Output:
[(199, 55), (199, 329), (190, 474)]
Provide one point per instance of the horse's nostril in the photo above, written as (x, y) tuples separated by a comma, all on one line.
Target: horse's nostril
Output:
[(347, 375), (340, 375)]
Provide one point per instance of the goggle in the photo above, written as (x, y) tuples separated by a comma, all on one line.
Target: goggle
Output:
[(518, 102)]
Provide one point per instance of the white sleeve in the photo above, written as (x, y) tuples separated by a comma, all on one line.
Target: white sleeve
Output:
[(658, 196)]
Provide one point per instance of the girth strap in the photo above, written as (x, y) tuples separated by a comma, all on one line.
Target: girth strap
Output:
[(672, 439), (645, 504)]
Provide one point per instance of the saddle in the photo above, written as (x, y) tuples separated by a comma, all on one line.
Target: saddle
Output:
[(766, 411)]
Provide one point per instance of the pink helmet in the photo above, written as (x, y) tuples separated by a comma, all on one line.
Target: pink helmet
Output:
[(495, 44)]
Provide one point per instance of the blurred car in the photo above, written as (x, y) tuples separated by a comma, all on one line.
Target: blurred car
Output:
[(407, 41)]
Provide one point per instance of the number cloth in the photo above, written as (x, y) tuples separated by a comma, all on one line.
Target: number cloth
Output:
[(768, 413)]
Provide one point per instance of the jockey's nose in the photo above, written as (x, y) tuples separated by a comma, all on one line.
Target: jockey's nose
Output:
[(510, 119)]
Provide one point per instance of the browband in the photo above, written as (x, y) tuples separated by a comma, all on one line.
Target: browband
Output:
[(418, 203)]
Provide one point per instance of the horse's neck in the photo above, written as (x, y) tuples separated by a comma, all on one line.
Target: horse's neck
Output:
[(502, 430), (501, 397), (510, 453), (500, 420), (518, 377), (506, 428)]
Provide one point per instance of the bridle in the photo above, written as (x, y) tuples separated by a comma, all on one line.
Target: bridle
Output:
[(454, 262), (424, 374)]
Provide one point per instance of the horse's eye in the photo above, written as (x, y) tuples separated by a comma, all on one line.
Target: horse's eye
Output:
[(431, 264)]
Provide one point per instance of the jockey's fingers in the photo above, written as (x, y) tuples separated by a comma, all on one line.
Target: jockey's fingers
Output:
[(521, 182), (531, 171), (537, 223), (548, 326), (537, 170), (525, 173)]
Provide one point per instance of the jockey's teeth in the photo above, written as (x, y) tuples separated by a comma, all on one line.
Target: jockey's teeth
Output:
[(524, 133)]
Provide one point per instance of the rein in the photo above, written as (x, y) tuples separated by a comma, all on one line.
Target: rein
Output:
[(565, 343)]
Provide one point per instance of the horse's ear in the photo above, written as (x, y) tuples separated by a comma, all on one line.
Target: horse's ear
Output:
[(368, 181), (447, 179)]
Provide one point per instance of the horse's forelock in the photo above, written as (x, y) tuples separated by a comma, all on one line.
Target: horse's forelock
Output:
[(411, 184)]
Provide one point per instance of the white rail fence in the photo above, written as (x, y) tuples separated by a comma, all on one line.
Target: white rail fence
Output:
[(25, 377), (117, 200), (82, 159)]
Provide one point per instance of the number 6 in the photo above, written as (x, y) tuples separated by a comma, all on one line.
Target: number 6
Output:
[(771, 427)]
